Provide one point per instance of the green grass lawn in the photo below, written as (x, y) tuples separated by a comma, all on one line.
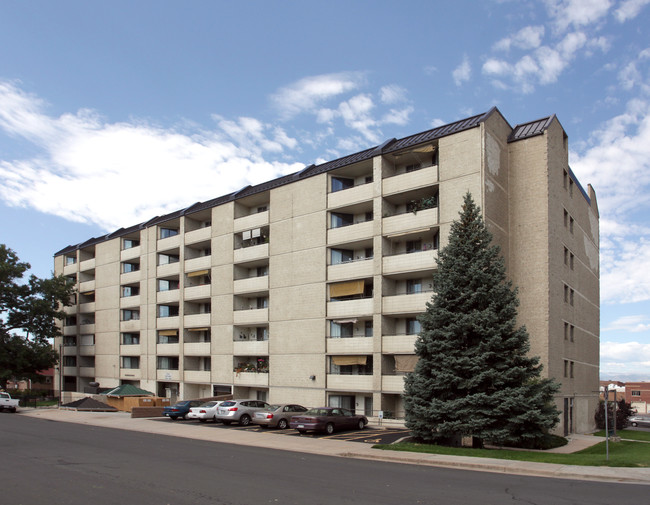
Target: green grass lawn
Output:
[(622, 454), (628, 434)]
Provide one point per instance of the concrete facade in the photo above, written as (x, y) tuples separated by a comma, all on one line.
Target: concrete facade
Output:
[(305, 289)]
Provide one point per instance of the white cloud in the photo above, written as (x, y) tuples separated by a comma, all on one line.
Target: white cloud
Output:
[(437, 122), (118, 174), (529, 37), (624, 360), (633, 324), (462, 72), (578, 13), (305, 94), (392, 94), (629, 9)]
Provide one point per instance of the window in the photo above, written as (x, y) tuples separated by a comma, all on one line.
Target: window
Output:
[(130, 267), (130, 362), (341, 329), (340, 183), (262, 302), (167, 337), (636, 393), (130, 291), (87, 340), (413, 286), (370, 253), (69, 361), (165, 259), (568, 295), (70, 321), (413, 246), (130, 315), (566, 218), (571, 363), (70, 260), (340, 219), (566, 179), (342, 256), (262, 271), (571, 221), (571, 187), (413, 167), (566, 368), (167, 363), (571, 260), (571, 332), (262, 334), (413, 326), (368, 328), (168, 232), (369, 216), (130, 243), (167, 310), (167, 285), (566, 256), (130, 338), (262, 208), (69, 341), (566, 331)]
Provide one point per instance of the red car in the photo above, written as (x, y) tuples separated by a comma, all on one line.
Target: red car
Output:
[(328, 419)]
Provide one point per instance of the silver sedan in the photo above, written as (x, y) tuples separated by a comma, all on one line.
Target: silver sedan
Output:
[(278, 416)]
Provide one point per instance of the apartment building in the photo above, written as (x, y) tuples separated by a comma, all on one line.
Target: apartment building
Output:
[(307, 288)]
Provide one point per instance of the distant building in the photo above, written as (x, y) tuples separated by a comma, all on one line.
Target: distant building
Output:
[(46, 384), (637, 394), (306, 289)]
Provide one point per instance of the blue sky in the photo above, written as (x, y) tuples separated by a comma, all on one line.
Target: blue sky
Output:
[(96, 97)]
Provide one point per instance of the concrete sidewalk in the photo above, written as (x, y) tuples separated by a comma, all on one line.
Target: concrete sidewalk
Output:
[(341, 448)]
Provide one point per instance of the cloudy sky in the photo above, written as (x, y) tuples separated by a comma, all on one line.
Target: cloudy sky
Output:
[(105, 105)]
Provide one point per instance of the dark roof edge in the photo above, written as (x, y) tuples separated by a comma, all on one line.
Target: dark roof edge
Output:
[(582, 190)]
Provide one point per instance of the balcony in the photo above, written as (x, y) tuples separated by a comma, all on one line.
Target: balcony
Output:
[(70, 310), (169, 296), (86, 286), (197, 292), (398, 344), (202, 376), (196, 349), (349, 382), (249, 317), (411, 180), (250, 347), (69, 350), (406, 304), (168, 323), (130, 373), (200, 263), (86, 350), (252, 285), (350, 196), (168, 349), (256, 220), (130, 253), (350, 233), (168, 243), (401, 223), (251, 379), (129, 301), (350, 308), (87, 307), (70, 330), (88, 264), (130, 350), (412, 262), (392, 383), (87, 329), (130, 277), (168, 269), (251, 253), (196, 320), (69, 370), (168, 375), (194, 236), (87, 371), (350, 270), (131, 325), (351, 345)]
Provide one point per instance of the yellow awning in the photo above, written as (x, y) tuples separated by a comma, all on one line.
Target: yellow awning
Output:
[(405, 362), (168, 333), (347, 288), (198, 273), (349, 360), (88, 293), (198, 329)]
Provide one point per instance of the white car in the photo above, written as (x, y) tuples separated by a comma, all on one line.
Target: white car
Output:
[(204, 412)]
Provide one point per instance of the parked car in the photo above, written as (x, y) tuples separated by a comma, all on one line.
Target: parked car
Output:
[(8, 403), (180, 409), (643, 422), (205, 411), (278, 416), (239, 411), (328, 419)]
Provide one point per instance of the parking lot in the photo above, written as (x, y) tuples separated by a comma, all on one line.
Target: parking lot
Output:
[(370, 435)]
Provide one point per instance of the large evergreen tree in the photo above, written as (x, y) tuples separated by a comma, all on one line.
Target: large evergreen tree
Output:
[(474, 377), (27, 318)]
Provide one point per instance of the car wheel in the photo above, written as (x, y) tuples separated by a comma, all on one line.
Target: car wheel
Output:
[(283, 424), (184, 417), (362, 425), (244, 420), (173, 418), (329, 428), (634, 424), (203, 420), (302, 432), (227, 423), (214, 419)]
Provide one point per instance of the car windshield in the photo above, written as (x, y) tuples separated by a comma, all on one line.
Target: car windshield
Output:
[(209, 404), (273, 407), (318, 412), (227, 404)]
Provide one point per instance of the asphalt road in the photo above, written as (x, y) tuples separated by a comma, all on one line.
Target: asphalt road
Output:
[(65, 463)]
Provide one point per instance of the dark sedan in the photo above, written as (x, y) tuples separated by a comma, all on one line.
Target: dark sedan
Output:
[(181, 409), (328, 419)]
